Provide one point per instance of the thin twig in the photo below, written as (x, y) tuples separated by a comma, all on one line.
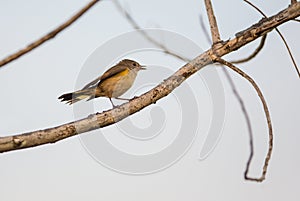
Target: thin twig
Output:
[(257, 50), (256, 8), (268, 117), (289, 50), (296, 20), (135, 25), (212, 22), (48, 36), (283, 39)]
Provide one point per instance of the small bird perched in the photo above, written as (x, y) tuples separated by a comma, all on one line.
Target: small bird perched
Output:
[(112, 84)]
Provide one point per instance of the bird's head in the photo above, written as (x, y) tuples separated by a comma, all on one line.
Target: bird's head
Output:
[(132, 64)]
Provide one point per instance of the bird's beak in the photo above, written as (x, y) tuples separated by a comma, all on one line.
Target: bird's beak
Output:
[(143, 68)]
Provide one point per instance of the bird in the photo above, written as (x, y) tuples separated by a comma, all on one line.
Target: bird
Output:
[(111, 84)]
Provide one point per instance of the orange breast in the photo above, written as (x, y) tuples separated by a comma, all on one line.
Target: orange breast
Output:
[(117, 84)]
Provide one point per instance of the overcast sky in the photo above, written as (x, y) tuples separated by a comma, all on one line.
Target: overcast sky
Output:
[(84, 168)]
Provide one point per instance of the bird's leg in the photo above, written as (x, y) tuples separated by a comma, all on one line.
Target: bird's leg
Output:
[(122, 98), (111, 102)]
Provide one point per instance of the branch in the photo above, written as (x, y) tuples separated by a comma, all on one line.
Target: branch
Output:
[(213, 22), (268, 117), (48, 36), (99, 120)]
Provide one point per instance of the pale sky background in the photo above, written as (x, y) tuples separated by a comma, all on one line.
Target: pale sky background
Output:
[(65, 171)]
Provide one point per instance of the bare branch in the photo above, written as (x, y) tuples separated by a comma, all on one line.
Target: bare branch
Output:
[(135, 25), (213, 22), (268, 117), (99, 120), (283, 39), (257, 50), (289, 51), (48, 36)]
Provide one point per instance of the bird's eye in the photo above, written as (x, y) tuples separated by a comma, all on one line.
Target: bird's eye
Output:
[(134, 64)]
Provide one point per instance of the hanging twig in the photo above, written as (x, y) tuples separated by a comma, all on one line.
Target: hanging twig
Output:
[(48, 36), (268, 117)]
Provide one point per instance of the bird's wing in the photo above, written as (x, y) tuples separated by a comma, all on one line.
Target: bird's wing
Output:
[(113, 71), (92, 83), (107, 74)]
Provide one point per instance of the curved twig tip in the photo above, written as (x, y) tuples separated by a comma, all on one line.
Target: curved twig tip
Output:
[(268, 117)]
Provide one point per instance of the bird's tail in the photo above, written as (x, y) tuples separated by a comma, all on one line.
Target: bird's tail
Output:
[(76, 96)]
